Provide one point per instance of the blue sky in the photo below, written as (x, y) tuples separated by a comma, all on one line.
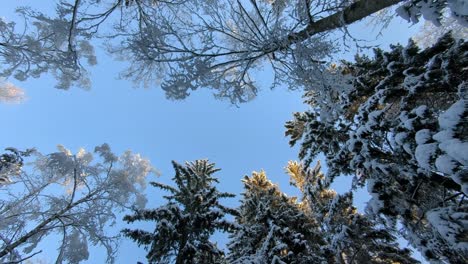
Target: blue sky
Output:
[(238, 140)]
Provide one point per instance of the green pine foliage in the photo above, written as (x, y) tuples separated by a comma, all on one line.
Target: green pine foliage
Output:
[(401, 129), (186, 222), (272, 228), (321, 227), (351, 237), (11, 163)]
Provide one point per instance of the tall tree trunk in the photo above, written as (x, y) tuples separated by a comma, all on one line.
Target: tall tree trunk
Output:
[(356, 11)]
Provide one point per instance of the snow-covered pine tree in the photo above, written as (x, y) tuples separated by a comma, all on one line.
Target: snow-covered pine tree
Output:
[(185, 224), (11, 163), (272, 228), (402, 130), (351, 237)]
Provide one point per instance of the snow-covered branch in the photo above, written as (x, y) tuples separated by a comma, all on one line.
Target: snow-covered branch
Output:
[(72, 195), (183, 45)]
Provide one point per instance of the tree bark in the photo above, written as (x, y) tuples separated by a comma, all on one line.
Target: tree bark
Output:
[(356, 11)]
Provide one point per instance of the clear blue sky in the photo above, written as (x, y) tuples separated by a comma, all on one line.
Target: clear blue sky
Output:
[(238, 140)]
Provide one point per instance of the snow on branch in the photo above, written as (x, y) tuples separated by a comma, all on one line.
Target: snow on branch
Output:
[(73, 195)]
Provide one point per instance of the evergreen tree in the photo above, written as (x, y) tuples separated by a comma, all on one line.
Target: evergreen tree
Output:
[(272, 228), (185, 224), (401, 129), (11, 163), (350, 236)]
